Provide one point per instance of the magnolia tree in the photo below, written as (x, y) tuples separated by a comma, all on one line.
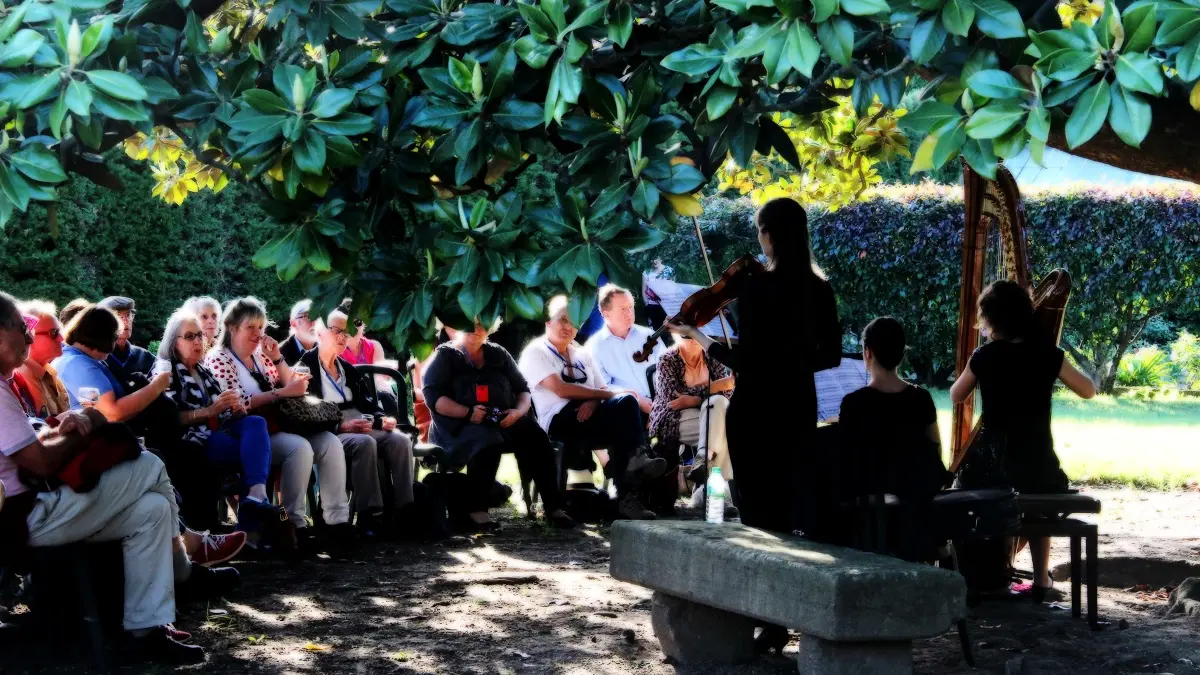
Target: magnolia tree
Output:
[(387, 137)]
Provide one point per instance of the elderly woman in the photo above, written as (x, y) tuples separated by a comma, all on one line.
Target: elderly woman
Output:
[(480, 405), (367, 433), (90, 338), (208, 311), (247, 361), (363, 351), (49, 397), (691, 396), (214, 423)]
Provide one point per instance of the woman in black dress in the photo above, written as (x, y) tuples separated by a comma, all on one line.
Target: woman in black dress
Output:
[(788, 329), (1017, 378)]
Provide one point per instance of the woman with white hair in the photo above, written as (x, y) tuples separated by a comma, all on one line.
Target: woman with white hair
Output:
[(208, 311), (247, 361), (214, 423)]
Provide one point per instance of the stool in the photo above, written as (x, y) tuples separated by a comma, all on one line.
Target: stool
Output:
[(1076, 530)]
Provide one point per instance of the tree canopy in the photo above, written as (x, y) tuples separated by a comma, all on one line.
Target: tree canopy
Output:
[(386, 136)]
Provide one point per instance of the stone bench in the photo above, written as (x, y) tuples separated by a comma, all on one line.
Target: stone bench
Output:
[(857, 612)]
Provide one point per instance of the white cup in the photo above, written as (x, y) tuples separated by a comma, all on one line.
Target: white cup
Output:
[(301, 369), (162, 366), (88, 396)]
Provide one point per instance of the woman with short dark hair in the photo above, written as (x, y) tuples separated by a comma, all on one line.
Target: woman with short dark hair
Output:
[(90, 338)]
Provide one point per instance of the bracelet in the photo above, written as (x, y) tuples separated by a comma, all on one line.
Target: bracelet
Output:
[(277, 361)]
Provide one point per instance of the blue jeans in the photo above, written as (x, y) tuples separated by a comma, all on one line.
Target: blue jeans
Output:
[(243, 440)]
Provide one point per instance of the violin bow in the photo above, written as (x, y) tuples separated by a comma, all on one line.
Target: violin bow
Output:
[(712, 280)]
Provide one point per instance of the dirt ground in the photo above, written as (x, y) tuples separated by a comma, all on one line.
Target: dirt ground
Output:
[(533, 600)]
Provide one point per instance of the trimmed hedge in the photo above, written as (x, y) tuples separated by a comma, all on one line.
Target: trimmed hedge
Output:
[(130, 243), (1133, 256)]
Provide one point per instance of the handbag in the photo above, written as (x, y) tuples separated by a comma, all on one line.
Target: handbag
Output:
[(307, 415), (106, 447)]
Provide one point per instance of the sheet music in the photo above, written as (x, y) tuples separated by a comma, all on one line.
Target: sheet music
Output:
[(835, 383), (670, 296)]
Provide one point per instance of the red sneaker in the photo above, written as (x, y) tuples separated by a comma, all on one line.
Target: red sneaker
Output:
[(176, 634), (217, 548)]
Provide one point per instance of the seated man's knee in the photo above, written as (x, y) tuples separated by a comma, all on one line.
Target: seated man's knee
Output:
[(154, 507), (398, 446), (360, 444)]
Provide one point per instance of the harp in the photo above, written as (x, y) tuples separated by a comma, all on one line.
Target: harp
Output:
[(994, 247)]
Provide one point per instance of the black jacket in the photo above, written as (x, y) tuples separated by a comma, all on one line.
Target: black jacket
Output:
[(291, 350), (360, 385), (133, 368)]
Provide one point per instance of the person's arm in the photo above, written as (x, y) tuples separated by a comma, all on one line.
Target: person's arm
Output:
[(828, 330), (963, 386), (574, 392), (47, 454), (129, 406), (1081, 384)]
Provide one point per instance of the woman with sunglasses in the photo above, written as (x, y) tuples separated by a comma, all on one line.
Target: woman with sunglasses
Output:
[(215, 429), (772, 420), (363, 351)]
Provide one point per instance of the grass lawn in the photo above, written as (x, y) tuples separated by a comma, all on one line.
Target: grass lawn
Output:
[(1126, 441)]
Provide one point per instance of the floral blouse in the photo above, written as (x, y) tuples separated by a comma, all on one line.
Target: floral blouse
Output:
[(230, 373), (669, 385)]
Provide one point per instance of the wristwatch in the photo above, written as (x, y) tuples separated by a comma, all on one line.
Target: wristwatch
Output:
[(277, 361)]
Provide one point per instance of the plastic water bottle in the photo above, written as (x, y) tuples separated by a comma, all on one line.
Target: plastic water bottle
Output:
[(716, 496)]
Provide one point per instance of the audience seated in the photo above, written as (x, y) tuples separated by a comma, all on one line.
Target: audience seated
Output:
[(46, 391), (576, 407), (480, 408), (1016, 376), (302, 336), (363, 351), (91, 337), (133, 502), (691, 399), (208, 311), (247, 361), (613, 346), (216, 432), (130, 363), (368, 435)]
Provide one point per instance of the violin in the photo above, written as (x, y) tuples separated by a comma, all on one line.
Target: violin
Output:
[(705, 304)]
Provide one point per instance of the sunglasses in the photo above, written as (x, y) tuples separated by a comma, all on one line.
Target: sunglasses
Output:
[(54, 333), (191, 337), (358, 323)]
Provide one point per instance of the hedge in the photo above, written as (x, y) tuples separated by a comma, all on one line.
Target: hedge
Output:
[(1133, 255), (130, 243)]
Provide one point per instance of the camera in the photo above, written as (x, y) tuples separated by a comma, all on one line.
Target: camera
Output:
[(493, 416)]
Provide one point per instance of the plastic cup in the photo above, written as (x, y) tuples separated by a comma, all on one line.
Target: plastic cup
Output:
[(301, 369), (88, 396)]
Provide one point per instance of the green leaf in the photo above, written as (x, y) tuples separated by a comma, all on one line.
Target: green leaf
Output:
[(1066, 91), (1066, 64), (526, 303), (1038, 124), (38, 163), (865, 7), (683, 179), (540, 26), (78, 97), (609, 199), (58, 112), (475, 294), (12, 21), (440, 116), (309, 152), (837, 37), (535, 54), (345, 22), (719, 100), (754, 40), (117, 85), (931, 115), (15, 188), (159, 91), (96, 36), (346, 124), (775, 58), (332, 102), (1090, 112), (823, 9), (620, 28), (999, 19), (1129, 116), (694, 59), (1139, 72), (981, 157), (957, 16), (1178, 26), (340, 152), (802, 48), (196, 42), (1107, 25), (1009, 145), (587, 17), (460, 75), (993, 120), (17, 51), (927, 39), (293, 128), (645, 199), (950, 141), (980, 59), (265, 101), (1140, 24), (1187, 61), (996, 84), (518, 115)]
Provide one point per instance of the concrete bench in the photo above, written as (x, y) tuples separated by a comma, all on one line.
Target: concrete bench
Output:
[(857, 612)]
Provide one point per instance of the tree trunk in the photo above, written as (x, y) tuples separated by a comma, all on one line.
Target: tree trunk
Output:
[(1170, 149)]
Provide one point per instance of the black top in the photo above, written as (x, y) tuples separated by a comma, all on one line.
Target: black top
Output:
[(364, 398), (886, 436), (291, 350), (451, 374), (131, 365), (1017, 380)]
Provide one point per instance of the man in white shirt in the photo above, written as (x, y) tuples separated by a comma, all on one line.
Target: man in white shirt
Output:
[(133, 503), (575, 406), (613, 346)]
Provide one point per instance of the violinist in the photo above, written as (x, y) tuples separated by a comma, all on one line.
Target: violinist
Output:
[(788, 329)]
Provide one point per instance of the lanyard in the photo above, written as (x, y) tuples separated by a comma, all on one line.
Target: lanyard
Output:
[(562, 358), (340, 390)]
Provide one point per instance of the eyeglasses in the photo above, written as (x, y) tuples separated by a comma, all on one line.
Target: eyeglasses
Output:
[(54, 333), (191, 337), (338, 332)]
